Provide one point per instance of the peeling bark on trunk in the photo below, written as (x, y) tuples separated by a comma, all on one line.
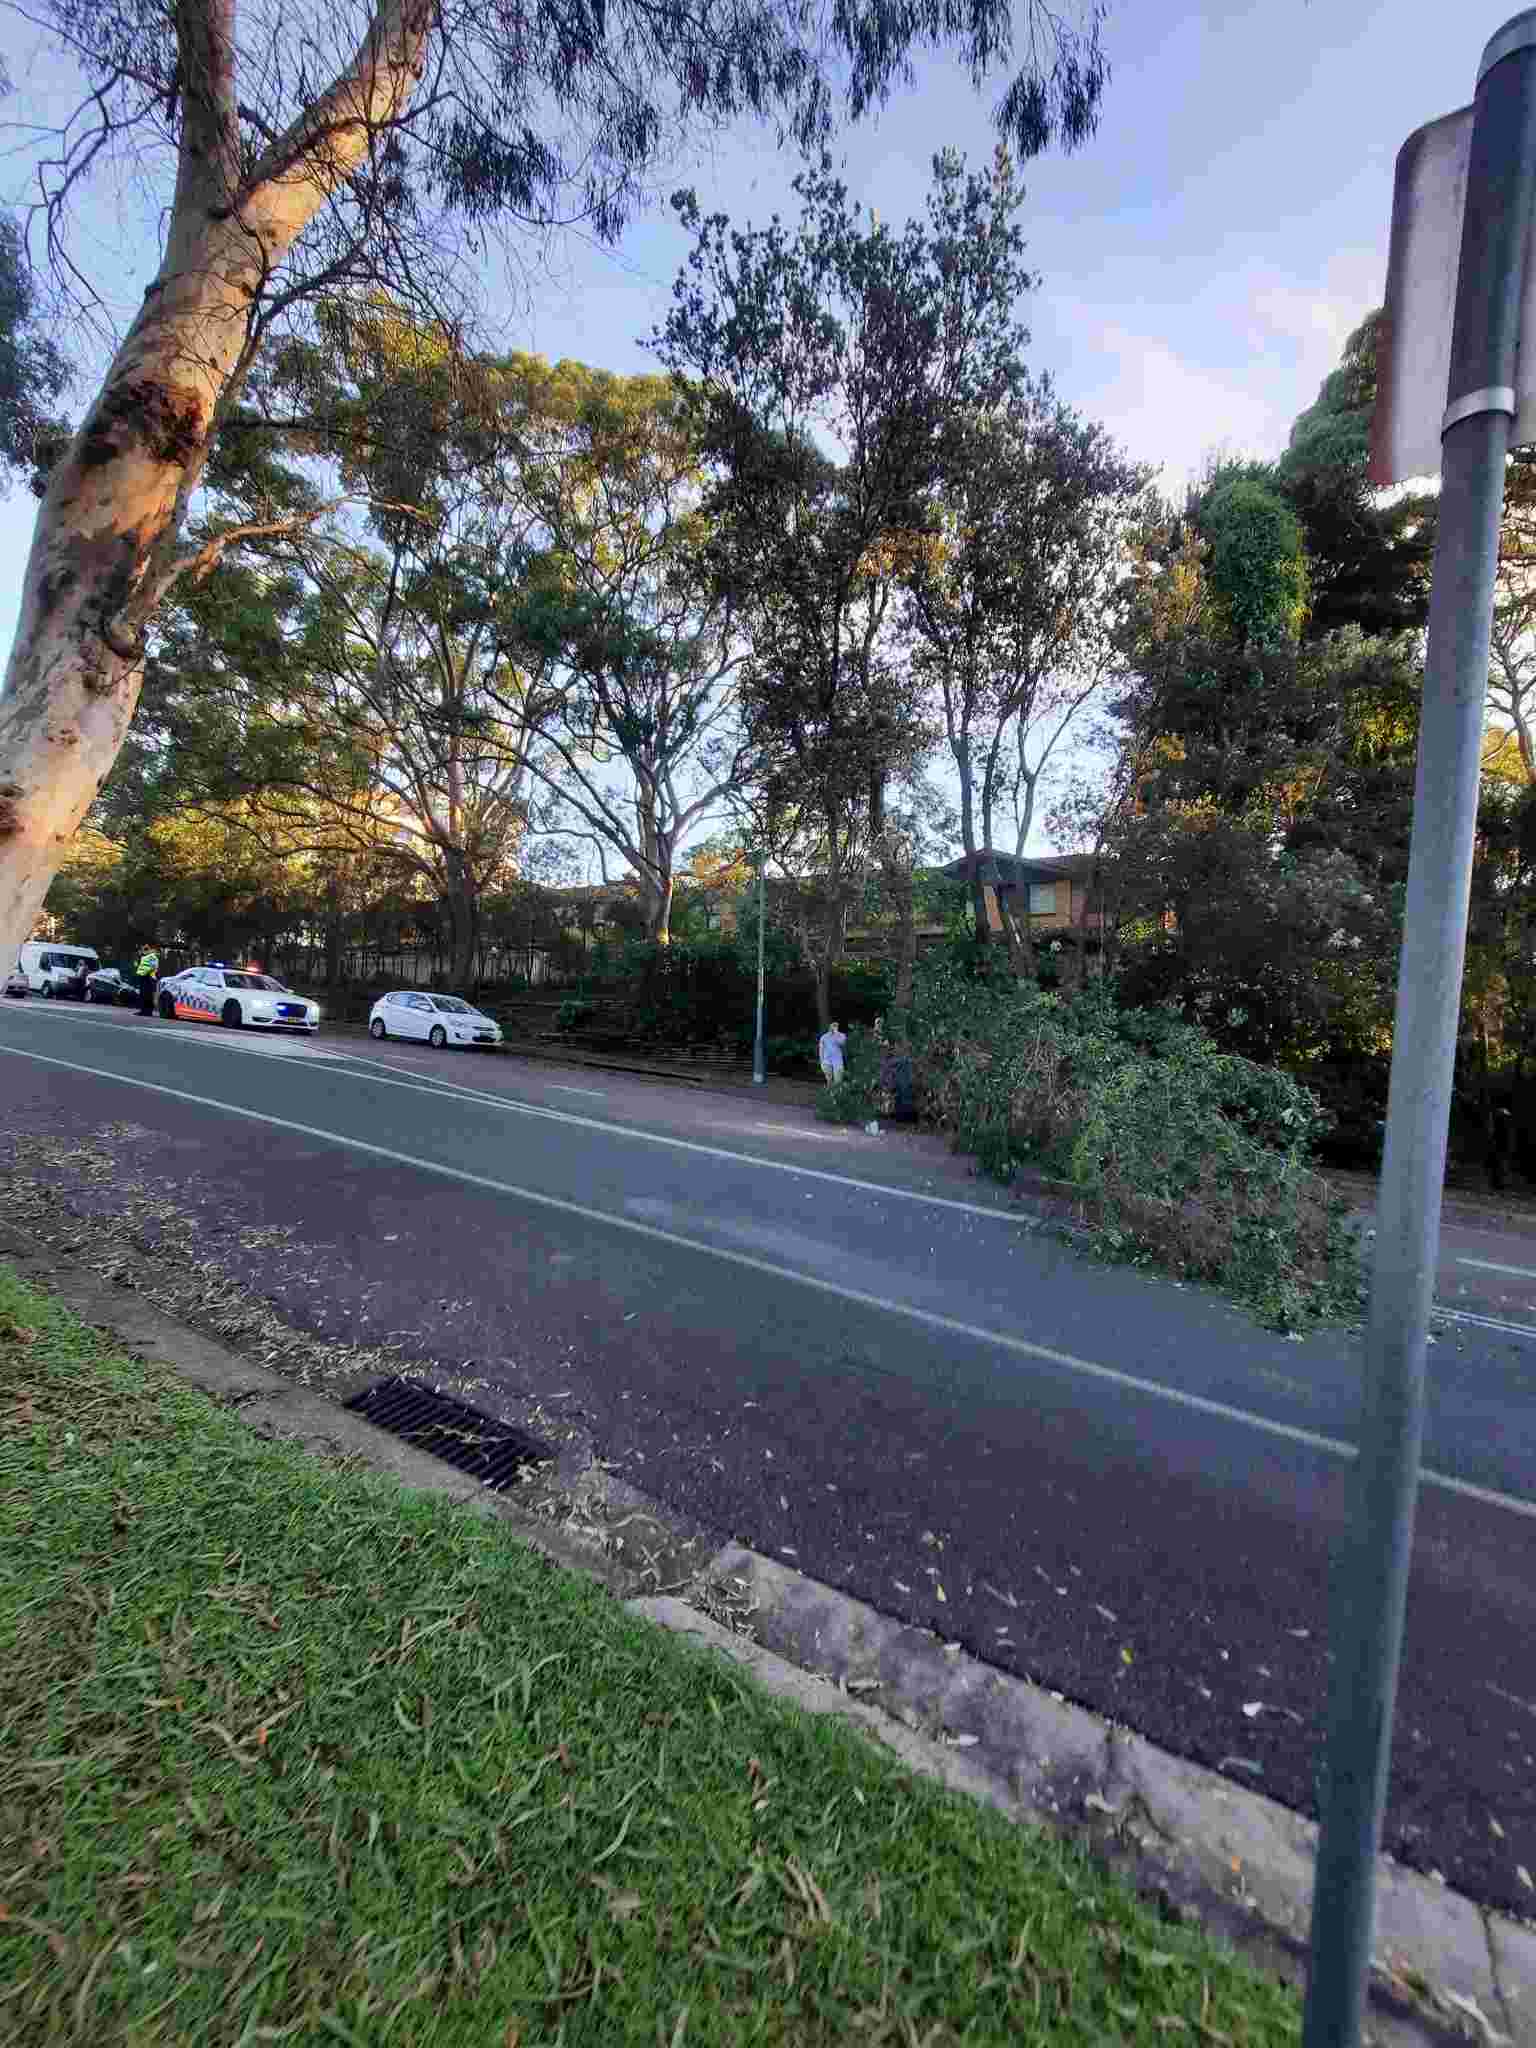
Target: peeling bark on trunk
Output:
[(76, 667), (103, 550)]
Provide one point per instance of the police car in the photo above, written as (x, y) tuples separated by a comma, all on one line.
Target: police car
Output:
[(235, 996)]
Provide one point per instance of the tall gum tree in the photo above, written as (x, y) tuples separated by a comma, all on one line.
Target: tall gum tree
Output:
[(831, 363), (293, 171), (639, 735), (1010, 607)]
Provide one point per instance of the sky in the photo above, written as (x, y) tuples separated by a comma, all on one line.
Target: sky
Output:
[(1201, 260)]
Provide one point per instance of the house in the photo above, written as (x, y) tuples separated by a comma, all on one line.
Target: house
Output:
[(1060, 889)]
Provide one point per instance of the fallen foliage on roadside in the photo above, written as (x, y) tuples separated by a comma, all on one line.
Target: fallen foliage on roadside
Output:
[(1176, 1154)]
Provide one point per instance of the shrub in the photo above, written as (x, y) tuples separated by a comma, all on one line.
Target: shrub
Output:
[(1181, 1155), (574, 1014)]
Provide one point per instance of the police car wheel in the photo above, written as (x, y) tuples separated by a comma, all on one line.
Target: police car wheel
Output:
[(230, 1015), (376, 1028), (438, 1038), (167, 1006)]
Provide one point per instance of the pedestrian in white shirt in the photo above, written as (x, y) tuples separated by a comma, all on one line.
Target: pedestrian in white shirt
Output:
[(829, 1050)]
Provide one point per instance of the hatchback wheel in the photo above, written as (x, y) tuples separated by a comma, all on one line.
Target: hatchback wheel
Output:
[(437, 1038), (376, 1028)]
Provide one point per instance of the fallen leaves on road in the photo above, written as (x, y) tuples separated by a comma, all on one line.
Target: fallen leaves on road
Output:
[(1474, 2012)]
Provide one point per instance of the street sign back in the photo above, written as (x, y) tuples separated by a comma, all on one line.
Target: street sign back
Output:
[(1414, 351)]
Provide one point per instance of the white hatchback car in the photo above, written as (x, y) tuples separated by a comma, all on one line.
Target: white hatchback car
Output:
[(235, 996), (440, 1020)]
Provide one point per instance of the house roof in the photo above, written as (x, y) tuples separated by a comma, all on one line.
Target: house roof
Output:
[(1044, 867)]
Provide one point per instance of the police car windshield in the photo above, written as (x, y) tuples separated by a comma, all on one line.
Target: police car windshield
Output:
[(454, 1005), (253, 981)]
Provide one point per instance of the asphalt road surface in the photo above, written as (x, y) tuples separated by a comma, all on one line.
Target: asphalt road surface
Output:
[(844, 1351)]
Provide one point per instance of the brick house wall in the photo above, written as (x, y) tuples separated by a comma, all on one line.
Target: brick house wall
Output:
[(1070, 907)]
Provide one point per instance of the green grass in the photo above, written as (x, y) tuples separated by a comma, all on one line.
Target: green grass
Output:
[(290, 1754)]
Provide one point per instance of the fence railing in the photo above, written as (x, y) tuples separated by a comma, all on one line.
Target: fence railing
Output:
[(421, 966)]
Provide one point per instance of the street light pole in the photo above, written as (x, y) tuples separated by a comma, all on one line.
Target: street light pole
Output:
[(1372, 1585), (759, 1070)]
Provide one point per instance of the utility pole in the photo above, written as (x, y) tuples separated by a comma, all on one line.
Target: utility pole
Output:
[(1477, 406), (759, 1069)]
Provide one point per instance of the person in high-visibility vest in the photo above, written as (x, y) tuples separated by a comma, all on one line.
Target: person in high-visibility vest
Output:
[(146, 972)]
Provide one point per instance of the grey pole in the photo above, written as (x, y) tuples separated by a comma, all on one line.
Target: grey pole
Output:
[(1372, 1583), (759, 1071)]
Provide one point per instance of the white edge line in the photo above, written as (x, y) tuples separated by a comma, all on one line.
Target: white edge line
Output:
[(1493, 1266), (1466, 1315), (364, 1068), (932, 1319)]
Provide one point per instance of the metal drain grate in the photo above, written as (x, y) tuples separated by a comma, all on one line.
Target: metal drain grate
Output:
[(492, 1452)]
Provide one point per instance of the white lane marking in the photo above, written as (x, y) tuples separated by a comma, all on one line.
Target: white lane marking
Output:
[(932, 1319), (1493, 1266), (368, 1069), (1465, 1315), (250, 1038), (561, 1089)]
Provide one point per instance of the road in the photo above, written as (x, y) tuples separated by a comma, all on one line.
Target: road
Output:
[(844, 1351)]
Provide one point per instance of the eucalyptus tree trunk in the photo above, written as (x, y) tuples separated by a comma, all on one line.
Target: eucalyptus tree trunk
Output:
[(463, 903), (659, 896), (104, 550), (896, 863)]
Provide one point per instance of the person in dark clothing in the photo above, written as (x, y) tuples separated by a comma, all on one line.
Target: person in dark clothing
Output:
[(146, 972)]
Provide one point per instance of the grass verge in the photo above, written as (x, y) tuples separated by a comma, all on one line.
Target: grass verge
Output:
[(290, 1754)]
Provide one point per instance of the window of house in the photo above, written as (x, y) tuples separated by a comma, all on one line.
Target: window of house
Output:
[(1042, 897)]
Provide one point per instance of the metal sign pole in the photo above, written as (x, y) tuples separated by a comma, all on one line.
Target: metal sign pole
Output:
[(1372, 1587)]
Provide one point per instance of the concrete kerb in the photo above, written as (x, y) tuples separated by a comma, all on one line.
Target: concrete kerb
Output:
[(781, 1088), (1203, 1847)]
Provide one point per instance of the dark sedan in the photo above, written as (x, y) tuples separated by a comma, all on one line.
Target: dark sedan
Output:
[(109, 985)]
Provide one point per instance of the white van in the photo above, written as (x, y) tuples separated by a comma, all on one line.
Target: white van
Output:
[(56, 970)]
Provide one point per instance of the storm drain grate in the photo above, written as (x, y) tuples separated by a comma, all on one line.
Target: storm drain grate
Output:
[(492, 1452)]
